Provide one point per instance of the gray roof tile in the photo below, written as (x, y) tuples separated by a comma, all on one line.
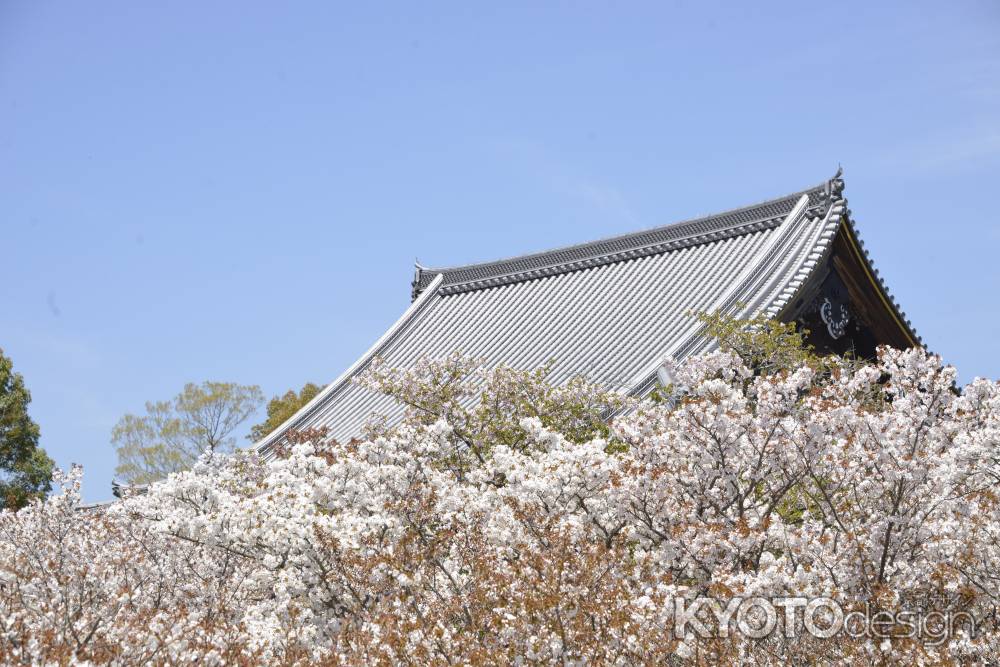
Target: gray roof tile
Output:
[(610, 310)]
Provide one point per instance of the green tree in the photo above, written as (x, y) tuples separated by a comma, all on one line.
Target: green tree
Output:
[(25, 468), (765, 345), (173, 434), (281, 408)]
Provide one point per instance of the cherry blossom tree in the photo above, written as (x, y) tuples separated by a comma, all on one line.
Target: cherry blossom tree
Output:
[(509, 521)]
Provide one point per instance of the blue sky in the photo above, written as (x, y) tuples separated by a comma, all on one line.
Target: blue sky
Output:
[(237, 190)]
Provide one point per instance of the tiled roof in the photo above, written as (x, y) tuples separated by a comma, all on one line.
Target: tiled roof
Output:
[(611, 310), (619, 248)]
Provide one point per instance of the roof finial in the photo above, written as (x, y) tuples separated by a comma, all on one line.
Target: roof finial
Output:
[(418, 270), (835, 185)]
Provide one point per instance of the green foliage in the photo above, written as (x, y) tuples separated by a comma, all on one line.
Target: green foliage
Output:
[(770, 347), (173, 434), (280, 408), (765, 345), (25, 468), (485, 407), (578, 410)]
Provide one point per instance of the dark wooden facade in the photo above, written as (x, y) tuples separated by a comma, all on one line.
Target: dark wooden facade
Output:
[(845, 308)]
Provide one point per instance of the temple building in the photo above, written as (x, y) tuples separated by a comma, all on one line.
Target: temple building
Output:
[(613, 309)]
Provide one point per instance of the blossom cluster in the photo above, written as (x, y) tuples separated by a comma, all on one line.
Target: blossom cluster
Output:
[(506, 520)]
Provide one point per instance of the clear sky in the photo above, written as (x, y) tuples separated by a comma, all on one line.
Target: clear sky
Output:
[(237, 190)]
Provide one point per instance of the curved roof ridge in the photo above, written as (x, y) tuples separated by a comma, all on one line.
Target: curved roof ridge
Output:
[(777, 272), (264, 445), (712, 227)]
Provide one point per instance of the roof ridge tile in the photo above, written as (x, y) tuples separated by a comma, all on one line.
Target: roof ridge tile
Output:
[(735, 222)]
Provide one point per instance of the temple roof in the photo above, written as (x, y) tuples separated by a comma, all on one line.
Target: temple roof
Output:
[(610, 310), (657, 240)]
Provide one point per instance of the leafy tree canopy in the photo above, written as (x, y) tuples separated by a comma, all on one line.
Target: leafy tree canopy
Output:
[(280, 408), (173, 434), (25, 468)]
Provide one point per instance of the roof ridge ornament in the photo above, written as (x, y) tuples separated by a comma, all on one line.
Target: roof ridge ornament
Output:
[(835, 186), (418, 274)]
